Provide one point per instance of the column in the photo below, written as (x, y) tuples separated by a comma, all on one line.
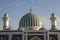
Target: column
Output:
[(47, 35), (44, 35), (10, 36), (23, 36), (26, 35)]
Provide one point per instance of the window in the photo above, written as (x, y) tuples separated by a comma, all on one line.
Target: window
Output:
[(2, 38), (51, 38), (17, 38)]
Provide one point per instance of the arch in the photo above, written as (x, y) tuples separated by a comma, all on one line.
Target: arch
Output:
[(17, 38), (51, 38), (35, 38), (2, 38)]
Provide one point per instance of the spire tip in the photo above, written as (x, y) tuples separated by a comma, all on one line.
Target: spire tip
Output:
[(30, 9)]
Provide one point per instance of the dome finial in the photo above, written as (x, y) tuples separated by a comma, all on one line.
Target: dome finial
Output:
[(52, 14), (6, 14), (30, 9)]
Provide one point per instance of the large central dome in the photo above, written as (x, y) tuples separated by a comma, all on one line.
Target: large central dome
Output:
[(30, 21)]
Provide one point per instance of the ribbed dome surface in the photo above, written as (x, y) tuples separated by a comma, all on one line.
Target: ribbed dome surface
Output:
[(30, 21)]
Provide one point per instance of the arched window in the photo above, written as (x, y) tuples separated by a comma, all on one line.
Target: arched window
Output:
[(17, 38), (50, 38), (2, 38), (35, 38)]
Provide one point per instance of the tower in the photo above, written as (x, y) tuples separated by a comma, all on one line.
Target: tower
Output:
[(53, 21), (6, 22)]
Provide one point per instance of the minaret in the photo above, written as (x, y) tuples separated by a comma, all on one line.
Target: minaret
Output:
[(6, 22), (53, 21)]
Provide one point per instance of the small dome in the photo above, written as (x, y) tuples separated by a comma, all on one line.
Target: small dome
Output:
[(30, 21)]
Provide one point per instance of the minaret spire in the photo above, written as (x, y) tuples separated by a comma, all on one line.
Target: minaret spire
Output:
[(53, 21)]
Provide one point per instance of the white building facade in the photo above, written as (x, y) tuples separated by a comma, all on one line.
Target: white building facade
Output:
[(30, 28)]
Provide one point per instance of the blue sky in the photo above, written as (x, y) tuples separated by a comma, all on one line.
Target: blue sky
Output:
[(17, 8)]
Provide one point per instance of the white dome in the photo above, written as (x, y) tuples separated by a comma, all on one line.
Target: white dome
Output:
[(30, 21)]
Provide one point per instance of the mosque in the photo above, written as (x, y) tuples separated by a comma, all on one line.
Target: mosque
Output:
[(30, 28)]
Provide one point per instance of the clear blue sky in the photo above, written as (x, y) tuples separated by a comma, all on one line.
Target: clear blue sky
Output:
[(17, 8)]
